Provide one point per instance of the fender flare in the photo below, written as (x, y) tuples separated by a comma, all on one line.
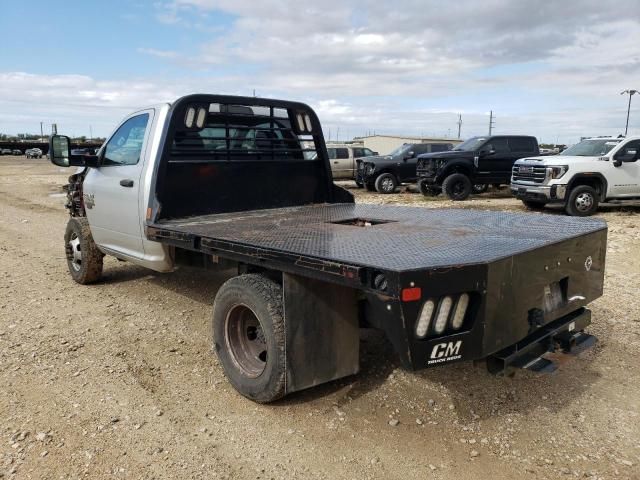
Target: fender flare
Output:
[(590, 176), (457, 167)]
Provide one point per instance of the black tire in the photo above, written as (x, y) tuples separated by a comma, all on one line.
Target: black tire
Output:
[(582, 202), (479, 188), (428, 190), (386, 183), (83, 257), (249, 336), (534, 205), (370, 187), (457, 186)]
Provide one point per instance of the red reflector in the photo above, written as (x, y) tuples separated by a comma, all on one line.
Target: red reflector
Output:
[(411, 294)]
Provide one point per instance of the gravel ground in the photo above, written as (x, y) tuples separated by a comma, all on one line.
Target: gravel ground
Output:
[(117, 380)]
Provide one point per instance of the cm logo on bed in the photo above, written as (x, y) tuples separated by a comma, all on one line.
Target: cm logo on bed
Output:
[(445, 352)]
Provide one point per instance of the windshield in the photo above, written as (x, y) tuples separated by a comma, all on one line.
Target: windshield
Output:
[(591, 148), (400, 149), (470, 145)]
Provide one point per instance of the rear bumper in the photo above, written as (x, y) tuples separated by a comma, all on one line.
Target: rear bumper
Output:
[(515, 305), (542, 193), (565, 335)]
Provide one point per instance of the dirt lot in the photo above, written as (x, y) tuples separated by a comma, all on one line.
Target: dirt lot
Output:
[(117, 380)]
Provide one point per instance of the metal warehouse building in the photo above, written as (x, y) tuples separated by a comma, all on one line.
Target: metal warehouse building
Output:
[(384, 144)]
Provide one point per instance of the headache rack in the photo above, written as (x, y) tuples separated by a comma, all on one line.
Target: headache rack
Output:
[(229, 132), (224, 154)]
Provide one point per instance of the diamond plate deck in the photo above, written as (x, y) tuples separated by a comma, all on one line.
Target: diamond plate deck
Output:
[(414, 237)]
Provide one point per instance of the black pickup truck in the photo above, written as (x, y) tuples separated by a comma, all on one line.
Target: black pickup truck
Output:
[(383, 173), (473, 165), (241, 183)]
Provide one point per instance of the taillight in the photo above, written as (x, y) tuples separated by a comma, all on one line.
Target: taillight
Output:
[(411, 294), (460, 311), (425, 318), (441, 315)]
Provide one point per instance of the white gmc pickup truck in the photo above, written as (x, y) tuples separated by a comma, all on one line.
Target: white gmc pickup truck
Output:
[(596, 170)]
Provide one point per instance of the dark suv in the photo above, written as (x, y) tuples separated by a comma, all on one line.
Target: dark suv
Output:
[(385, 172), (473, 165)]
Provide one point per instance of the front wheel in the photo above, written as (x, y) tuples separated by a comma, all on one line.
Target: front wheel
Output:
[(386, 183), (582, 201), (83, 257), (457, 186), (249, 336)]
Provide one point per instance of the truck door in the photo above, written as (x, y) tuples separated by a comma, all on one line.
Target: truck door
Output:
[(407, 167), (113, 200), (495, 167), (624, 181), (521, 147), (341, 162)]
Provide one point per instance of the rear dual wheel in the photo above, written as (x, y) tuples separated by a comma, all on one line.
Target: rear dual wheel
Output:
[(249, 336)]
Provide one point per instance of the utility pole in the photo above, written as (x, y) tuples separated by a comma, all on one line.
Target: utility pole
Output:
[(41, 133), (491, 121), (630, 93), (459, 124), (90, 134)]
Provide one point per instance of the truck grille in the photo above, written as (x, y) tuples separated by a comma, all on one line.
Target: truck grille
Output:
[(529, 173)]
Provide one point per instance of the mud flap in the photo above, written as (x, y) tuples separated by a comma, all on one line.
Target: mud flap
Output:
[(322, 332)]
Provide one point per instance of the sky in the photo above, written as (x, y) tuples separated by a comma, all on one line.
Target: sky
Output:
[(553, 69)]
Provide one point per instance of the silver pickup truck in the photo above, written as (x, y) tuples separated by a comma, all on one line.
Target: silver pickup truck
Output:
[(221, 182), (343, 160)]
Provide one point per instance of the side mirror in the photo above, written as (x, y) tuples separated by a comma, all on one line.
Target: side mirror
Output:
[(59, 150), (626, 155), (409, 155), (60, 154)]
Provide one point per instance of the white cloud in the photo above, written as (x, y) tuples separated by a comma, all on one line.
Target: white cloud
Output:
[(552, 68)]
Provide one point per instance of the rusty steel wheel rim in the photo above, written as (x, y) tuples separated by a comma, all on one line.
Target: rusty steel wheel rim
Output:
[(245, 340)]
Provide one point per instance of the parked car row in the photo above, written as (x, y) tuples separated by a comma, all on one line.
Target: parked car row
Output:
[(30, 153), (596, 170)]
